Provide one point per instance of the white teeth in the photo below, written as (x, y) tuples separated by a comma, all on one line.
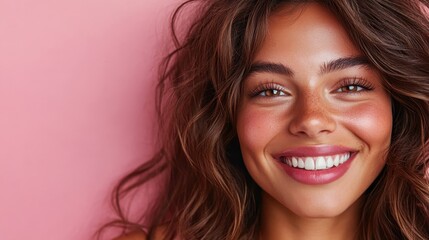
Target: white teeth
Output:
[(301, 163), (294, 162), (329, 162), (320, 163), (336, 161), (315, 163), (309, 163)]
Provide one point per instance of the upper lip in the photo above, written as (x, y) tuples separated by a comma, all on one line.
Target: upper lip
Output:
[(314, 151)]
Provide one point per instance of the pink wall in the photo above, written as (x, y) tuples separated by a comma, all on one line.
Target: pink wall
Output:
[(76, 89)]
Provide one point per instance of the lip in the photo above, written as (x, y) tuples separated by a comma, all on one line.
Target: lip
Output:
[(316, 177)]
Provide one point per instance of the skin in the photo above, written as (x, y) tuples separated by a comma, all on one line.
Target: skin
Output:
[(312, 107)]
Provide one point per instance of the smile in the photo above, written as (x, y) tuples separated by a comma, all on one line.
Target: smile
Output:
[(316, 162), (315, 165)]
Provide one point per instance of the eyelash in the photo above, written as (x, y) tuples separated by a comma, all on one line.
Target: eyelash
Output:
[(357, 83), (268, 86)]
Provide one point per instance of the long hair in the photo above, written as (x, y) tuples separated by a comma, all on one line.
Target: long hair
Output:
[(208, 193)]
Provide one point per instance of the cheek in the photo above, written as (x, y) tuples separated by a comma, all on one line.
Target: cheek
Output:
[(256, 127), (371, 122)]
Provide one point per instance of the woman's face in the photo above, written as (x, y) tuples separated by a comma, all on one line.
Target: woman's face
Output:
[(314, 121)]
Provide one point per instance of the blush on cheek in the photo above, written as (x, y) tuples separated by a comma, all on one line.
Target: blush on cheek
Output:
[(255, 127), (249, 127), (370, 122)]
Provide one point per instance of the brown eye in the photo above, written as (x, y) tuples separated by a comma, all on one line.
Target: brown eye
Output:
[(351, 88), (269, 90), (271, 93), (354, 85)]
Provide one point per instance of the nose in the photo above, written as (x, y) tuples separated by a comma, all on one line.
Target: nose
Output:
[(311, 117)]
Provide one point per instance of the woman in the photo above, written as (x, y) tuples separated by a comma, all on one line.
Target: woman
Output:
[(293, 120)]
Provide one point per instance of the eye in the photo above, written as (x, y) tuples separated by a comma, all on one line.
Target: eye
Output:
[(271, 93), (269, 90), (354, 85), (351, 88)]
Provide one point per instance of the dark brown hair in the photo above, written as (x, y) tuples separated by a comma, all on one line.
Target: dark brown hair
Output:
[(208, 193)]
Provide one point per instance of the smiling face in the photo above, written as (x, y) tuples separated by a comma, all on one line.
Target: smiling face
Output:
[(314, 121)]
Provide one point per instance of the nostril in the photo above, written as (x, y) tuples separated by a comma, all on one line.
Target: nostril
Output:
[(312, 127), (312, 123)]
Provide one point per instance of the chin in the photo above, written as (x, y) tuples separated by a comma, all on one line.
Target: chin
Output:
[(323, 210)]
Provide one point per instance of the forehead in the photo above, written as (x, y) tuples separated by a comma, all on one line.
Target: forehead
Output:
[(297, 30)]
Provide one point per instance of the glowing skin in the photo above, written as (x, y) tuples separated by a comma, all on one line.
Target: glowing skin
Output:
[(306, 105)]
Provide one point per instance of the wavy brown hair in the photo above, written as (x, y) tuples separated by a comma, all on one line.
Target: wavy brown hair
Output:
[(208, 193)]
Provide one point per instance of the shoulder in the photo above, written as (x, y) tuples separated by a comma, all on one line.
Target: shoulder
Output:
[(133, 236), (140, 235)]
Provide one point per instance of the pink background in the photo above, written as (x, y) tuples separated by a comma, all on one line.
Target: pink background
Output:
[(76, 90)]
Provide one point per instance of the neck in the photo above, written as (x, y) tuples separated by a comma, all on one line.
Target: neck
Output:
[(278, 222)]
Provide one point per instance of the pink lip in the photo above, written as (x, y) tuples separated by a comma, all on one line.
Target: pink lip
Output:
[(316, 177)]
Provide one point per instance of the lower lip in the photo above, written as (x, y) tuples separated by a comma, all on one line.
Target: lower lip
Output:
[(316, 177)]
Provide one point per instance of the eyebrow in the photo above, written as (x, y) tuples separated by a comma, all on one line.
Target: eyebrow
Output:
[(270, 67), (343, 63), (331, 66)]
